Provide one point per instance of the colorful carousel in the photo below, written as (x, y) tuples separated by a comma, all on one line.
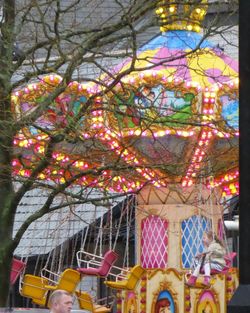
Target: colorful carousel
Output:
[(179, 111), (173, 125)]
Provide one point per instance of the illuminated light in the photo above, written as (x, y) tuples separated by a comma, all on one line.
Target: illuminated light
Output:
[(189, 27), (198, 10), (14, 162), (185, 134), (197, 28), (206, 100), (220, 134), (184, 183), (161, 133), (42, 176), (136, 161), (22, 172), (171, 9), (231, 186), (137, 132), (26, 172)]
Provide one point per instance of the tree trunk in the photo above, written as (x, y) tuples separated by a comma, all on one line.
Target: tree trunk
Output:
[(5, 265), (7, 212), (7, 131)]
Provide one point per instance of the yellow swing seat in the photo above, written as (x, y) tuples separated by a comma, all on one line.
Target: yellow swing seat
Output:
[(68, 281), (130, 282), (33, 287), (41, 302), (86, 303)]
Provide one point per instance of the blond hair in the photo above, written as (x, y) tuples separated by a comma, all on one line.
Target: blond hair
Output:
[(212, 236), (56, 295)]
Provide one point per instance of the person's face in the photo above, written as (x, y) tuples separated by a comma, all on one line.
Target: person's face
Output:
[(64, 304), (206, 240)]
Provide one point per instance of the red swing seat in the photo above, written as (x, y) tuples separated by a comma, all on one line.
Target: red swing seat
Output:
[(103, 268), (16, 269)]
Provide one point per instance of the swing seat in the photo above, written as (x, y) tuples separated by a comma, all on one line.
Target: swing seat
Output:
[(130, 282), (41, 302), (68, 281), (104, 268), (33, 287), (16, 269), (86, 303), (229, 261)]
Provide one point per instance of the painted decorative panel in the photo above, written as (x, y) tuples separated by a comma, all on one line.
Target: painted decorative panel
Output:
[(154, 242)]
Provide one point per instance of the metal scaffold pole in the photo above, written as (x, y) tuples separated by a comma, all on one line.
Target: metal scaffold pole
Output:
[(240, 301)]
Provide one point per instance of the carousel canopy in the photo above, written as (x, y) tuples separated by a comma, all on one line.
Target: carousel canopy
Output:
[(172, 119)]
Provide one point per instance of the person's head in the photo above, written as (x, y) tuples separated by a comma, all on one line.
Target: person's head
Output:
[(209, 236), (60, 301)]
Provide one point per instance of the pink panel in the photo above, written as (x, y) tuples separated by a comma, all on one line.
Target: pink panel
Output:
[(207, 295), (154, 242)]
